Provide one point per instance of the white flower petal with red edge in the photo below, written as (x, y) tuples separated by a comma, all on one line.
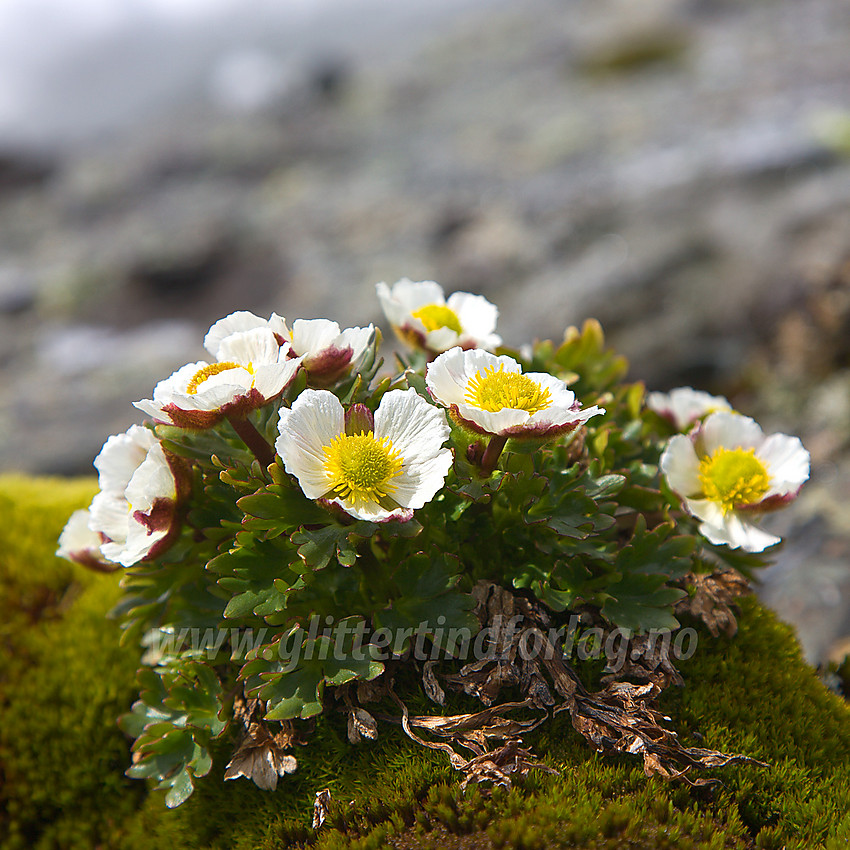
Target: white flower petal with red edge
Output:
[(239, 322), (448, 379), (136, 508), (78, 542), (684, 406)]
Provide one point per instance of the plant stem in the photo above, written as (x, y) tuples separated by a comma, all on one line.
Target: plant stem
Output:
[(491, 453), (253, 439)]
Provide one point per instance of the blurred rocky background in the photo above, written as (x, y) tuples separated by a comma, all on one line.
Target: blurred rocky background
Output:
[(679, 169)]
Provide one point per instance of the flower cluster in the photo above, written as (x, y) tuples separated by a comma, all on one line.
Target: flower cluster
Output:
[(291, 477)]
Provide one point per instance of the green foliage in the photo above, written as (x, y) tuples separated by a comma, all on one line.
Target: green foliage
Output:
[(62, 755), (173, 723)]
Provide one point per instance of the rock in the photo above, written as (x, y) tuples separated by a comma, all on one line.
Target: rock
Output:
[(19, 170), (17, 290)]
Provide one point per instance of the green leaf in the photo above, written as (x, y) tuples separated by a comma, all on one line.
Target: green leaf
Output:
[(427, 601), (656, 552), (641, 603), (293, 685), (181, 789), (286, 505), (605, 487)]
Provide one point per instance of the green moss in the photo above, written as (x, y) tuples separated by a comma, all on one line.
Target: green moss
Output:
[(64, 679)]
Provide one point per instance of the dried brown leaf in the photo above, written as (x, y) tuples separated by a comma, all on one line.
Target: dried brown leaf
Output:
[(259, 755), (498, 766), (713, 597), (432, 687), (321, 807), (361, 725), (648, 660)]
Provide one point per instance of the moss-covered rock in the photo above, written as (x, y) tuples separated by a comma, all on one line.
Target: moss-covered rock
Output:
[(64, 679)]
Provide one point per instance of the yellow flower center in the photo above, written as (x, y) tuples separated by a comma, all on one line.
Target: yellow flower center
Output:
[(495, 389), (733, 477), (213, 369), (361, 468), (436, 316)]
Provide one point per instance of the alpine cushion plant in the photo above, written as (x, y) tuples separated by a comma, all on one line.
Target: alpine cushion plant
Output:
[(304, 532)]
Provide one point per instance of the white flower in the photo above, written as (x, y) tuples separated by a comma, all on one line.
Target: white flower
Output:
[(78, 543), (684, 406), (135, 512), (422, 317), (375, 467), (728, 473), (327, 353), (491, 395), (252, 369), (240, 322)]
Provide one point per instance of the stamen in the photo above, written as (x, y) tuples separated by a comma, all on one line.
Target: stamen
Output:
[(495, 389), (436, 316), (361, 468), (733, 478), (213, 369)]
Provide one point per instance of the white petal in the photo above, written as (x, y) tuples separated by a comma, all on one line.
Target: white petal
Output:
[(494, 422), (680, 466), (558, 416), (312, 336), (477, 316), (416, 428), (411, 295), (137, 545), (392, 309), (357, 339), (110, 516), (440, 339), (417, 484), (316, 417), (217, 391), (120, 457), (165, 391), (77, 538), (153, 409), (238, 322), (270, 381), (562, 408), (151, 481), (684, 406), (709, 512), (369, 511), (278, 325), (257, 346), (787, 463), (737, 534), (446, 377), (729, 431)]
